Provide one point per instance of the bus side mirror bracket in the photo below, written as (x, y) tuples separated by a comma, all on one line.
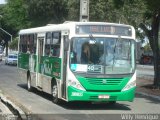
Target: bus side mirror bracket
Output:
[(66, 40), (66, 43)]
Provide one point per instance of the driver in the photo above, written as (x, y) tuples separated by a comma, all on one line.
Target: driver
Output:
[(85, 55)]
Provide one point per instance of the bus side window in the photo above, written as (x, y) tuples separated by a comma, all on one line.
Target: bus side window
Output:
[(20, 43), (24, 44), (47, 44), (31, 44), (35, 43), (55, 44)]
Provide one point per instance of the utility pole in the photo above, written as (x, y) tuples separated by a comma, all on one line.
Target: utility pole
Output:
[(84, 10)]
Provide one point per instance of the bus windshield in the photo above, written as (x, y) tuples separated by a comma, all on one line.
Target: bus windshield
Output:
[(95, 55)]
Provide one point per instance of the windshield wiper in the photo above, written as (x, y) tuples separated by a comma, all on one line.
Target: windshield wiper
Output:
[(114, 51), (91, 37)]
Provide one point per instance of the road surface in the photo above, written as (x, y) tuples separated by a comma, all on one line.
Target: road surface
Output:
[(40, 105)]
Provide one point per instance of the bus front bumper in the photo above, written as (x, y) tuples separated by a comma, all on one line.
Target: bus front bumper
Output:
[(78, 95)]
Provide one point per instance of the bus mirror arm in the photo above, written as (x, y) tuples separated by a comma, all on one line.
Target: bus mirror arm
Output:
[(66, 43)]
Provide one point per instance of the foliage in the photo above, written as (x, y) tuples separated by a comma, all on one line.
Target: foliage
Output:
[(73, 10), (130, 12), (14, 44), (32, 13), (147, 47), (16, 14), (98, 10), (21, 14), (49, 11)]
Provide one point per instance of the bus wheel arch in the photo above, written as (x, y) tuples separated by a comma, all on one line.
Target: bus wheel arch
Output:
[(29, 87), (54, 91)]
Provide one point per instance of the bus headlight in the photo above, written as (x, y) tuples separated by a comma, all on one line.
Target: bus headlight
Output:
[(131, 83), (75, 84)]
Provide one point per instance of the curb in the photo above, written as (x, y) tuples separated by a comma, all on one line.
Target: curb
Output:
[(4, 110), (149, 77), (13, 106), (148, 95), (145, 66)]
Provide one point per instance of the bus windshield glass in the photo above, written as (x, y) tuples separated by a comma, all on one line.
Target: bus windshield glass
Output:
[(95, 55)]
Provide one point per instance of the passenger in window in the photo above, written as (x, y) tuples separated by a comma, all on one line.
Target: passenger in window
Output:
[(94, 53), (28, 51), (47, 52), (55, 51), (85, 55), (32, 50)]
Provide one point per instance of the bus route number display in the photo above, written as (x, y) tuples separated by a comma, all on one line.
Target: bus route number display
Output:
[(104, 29)]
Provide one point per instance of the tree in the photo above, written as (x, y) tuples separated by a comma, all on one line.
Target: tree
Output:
[(16, 15), (151, 29), (21, 14), (73, 10), (147, 47), (42, 12), (1, 23), (14, 44), (130, 12)]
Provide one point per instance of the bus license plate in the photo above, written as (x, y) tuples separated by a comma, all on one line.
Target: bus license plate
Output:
[(103, 96)]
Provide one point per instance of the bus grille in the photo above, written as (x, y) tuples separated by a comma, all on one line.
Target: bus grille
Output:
[(110, 81)]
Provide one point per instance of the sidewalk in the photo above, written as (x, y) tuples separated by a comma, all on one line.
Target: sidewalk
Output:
[(144, 87), (145, 82)]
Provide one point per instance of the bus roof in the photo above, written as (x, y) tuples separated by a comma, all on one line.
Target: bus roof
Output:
[(65, 26)]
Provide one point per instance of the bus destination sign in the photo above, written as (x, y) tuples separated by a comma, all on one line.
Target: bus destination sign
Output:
[(104, 29)]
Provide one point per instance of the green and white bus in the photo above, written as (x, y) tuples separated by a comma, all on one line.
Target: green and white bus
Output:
[(80, 61)]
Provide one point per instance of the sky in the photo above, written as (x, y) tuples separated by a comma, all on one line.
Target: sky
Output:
[(2, 1)]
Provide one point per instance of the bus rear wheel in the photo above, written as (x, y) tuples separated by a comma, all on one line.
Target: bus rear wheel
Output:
[(29, 88), (55, 98)]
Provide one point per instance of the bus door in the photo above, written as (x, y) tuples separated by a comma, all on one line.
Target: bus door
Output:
[(65, 38), (39, 61)]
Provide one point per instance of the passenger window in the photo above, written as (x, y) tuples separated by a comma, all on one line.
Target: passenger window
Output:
[(35, 43), (28, 44), (24, 44), (55, 44), (47, 44), (20, 43), (31, 44)]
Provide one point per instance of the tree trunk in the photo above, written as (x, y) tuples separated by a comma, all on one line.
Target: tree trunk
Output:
[(153, 40), (156, 50), (7, 48)]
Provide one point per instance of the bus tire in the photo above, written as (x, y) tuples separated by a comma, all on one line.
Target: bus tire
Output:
[(55, 98), (29, 87)]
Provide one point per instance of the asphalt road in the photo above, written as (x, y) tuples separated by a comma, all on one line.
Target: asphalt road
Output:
[(40, 105)]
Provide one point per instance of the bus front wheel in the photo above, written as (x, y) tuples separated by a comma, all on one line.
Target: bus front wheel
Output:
[(55, 93)]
